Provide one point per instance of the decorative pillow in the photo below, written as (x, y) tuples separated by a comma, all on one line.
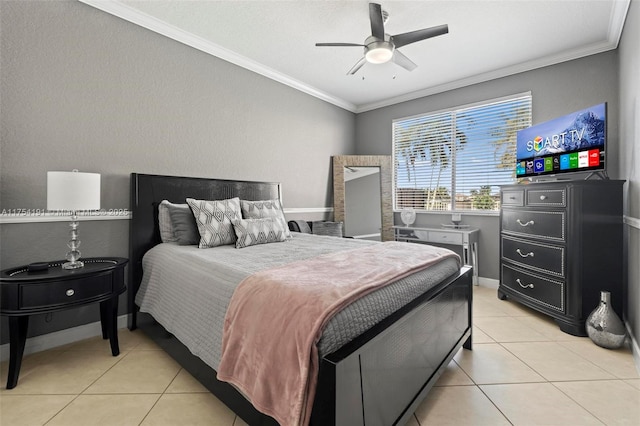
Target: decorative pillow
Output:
[(215, 220), (251, 232), (265, 208), (177, 224)]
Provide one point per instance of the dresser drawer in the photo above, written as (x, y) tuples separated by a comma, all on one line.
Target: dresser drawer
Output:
[(541, 257), (546, 197), (512, 197), (540, 290), (48, 294), (548, 225)]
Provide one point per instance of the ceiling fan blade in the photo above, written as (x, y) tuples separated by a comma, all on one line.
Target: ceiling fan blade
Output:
[(377, 22), (357, 66), (413, 36), (400, 59), (339, 44)]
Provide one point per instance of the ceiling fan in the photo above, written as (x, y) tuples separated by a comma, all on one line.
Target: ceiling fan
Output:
[(380, 47)]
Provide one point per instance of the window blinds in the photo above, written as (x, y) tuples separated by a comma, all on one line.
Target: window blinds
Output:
[(455, 159)]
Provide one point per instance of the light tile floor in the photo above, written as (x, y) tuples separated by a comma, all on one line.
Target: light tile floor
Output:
[(522, 370)]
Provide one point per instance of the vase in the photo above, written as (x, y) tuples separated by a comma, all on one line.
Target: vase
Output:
[(603, 325)]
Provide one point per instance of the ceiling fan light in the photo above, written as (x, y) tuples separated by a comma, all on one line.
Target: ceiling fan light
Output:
[(379, 55)]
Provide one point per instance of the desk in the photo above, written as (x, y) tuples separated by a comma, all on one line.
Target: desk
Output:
[(467, 238), (26, 293)]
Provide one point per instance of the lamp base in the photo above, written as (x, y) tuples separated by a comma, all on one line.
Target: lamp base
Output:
[(76, 264)]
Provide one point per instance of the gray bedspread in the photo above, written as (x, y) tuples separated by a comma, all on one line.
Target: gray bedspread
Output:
[(187, 289)]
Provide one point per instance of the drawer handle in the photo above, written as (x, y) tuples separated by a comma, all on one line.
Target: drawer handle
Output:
[(543, 197), (530, 254), (522, 285), (512, 198), (525, 224), (70, 292)]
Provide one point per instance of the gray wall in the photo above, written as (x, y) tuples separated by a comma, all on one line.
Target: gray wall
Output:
[(556, 90), (629, 129), (83, 89)]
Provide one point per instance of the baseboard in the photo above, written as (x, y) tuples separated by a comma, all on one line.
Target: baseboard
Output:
[(62, 337), (488, 282), (635, 347)]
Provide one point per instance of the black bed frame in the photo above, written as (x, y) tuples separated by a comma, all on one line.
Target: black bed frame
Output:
[(379, 378)]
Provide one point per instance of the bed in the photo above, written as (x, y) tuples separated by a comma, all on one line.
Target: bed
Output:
[(378, 377)]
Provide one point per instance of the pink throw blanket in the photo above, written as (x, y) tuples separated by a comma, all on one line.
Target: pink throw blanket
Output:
[(276, 317)]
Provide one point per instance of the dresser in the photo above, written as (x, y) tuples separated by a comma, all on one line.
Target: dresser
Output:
[(560, 245)]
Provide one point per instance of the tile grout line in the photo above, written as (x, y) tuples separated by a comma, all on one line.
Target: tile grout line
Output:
[(552, 383), (77, 395), (577, 403), (477, 386), (160, 397)]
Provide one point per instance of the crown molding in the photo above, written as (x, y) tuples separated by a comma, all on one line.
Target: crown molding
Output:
[(492, 75), (144, 20), (616, 25), (123, 11)]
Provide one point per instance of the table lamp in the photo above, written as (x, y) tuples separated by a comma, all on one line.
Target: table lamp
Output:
[(73, 192)]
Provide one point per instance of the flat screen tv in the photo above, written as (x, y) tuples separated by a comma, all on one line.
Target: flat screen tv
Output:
[(569, 144)]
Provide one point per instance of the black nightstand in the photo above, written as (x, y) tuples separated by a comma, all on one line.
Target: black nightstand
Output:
[(24, 293)]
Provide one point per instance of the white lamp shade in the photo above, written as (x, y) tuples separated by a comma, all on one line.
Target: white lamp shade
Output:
[(73, 191)]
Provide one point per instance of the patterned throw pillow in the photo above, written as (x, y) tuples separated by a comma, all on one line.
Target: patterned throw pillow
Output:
[(265, 208), (258, 231), (215, 220)]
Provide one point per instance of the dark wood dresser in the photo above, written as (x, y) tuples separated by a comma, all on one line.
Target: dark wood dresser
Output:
[(560, 245)]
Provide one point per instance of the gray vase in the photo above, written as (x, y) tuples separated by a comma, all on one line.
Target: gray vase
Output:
[(603, 326)]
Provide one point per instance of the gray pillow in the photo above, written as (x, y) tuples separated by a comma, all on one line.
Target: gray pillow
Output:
[(183, 224), (177, 224)]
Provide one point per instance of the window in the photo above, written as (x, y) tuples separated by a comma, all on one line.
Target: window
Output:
[(455, 159)]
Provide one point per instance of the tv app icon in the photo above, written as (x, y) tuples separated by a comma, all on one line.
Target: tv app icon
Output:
[(548, 164), (564, 162), (529, 166), (538, 165), (556, 162)]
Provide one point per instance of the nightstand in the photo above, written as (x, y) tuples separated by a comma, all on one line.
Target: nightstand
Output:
[(24, 293)]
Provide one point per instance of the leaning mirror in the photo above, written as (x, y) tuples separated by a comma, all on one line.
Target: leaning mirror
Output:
[(362, 195)]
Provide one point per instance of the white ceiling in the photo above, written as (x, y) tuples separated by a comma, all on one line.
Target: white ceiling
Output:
[(487, 39)]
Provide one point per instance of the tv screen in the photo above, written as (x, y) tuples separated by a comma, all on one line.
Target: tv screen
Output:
[(569, 144)]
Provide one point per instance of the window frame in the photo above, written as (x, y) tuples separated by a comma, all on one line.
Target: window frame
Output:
[(452, 172)]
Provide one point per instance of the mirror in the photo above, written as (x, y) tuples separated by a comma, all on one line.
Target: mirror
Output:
[(362, 195)]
